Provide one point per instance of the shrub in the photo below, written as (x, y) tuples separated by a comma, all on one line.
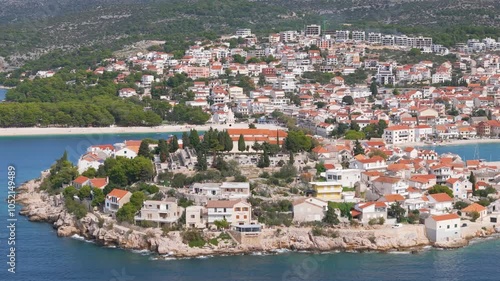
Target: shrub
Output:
[(317, 231), (101, 222), (381, 221), (213, 241), (147, 224), (373, 221), (75, 208), (354, 223), (474, 216), (193, 238)]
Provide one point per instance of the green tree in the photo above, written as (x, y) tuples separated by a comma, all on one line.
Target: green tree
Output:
[(331, 217), (441, 189), (137, 199), (144, 149), (179, 180), (185, 140), (474, 216), (354, 135), (201, 164), (297, 141), (397, 211), (241, 144), (194, 138), (377, 152), (84, 192), (358, 148), (251, 126), (221, 224), (374, 88), (472, 180), (126, 213), (90, 173), (98, 197), (348, 100), (264, 160), (70, 192), (174, 144)]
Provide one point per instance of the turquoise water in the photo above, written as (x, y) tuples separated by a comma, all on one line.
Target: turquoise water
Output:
[(41, 255), (2, 94), (487, 151)]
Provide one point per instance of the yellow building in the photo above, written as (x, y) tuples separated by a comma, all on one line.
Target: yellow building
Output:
[(327, 191)]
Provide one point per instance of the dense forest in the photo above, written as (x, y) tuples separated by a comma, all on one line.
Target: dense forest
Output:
[(87, 100)]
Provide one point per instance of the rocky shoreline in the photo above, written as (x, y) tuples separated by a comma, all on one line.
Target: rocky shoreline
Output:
[(39, 206)]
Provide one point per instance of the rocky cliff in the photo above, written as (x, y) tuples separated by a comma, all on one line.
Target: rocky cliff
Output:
[(42, 207)]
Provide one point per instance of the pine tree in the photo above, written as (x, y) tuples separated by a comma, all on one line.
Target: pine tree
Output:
[(185, 140), (358, 149), (201, 165), (194, 139), (241, 144), (174, 144), (292, 159), (144, 150), (373, 88), (228, 142)]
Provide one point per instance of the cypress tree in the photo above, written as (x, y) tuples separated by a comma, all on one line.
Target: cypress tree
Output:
[(185, 140), (241, 144)]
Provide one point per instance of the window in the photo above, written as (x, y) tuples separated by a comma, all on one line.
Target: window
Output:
[(448, 226), (456, 225), (192, 216), (245, 216), (245, 209), (237, 209), (237, 217)]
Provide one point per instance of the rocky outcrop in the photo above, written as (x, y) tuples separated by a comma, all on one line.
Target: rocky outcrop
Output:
[(40, 206)]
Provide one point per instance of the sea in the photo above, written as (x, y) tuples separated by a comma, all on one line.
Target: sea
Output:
[(41, 255)]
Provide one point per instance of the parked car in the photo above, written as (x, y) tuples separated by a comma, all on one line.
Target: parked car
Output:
[(464, 224), (397, 225)]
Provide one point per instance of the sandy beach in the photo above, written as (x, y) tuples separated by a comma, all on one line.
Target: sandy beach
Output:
[(11, 132)]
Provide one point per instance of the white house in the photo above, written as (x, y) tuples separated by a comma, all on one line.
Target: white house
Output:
[(165, 212), (116, 199), (346, 177), (196, 217), (236, 212), (443, 228), (370, 210), (440, 202), (309, 209)]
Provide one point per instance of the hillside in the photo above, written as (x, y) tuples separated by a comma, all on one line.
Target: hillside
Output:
[(30, 28)]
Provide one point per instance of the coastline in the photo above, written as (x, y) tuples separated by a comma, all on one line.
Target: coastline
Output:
[(34, 131), (39, 206), (447, 143)]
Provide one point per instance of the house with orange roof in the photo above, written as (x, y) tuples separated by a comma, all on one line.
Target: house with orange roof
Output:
[(422, 182), (392, 199), (475, 207), (100, 183), (440, 202), (370, 210), (388, 185), (375, 163), (116, 199), (461, 187), (252, 136), (443, 228), (128, 149), (80, 181)]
